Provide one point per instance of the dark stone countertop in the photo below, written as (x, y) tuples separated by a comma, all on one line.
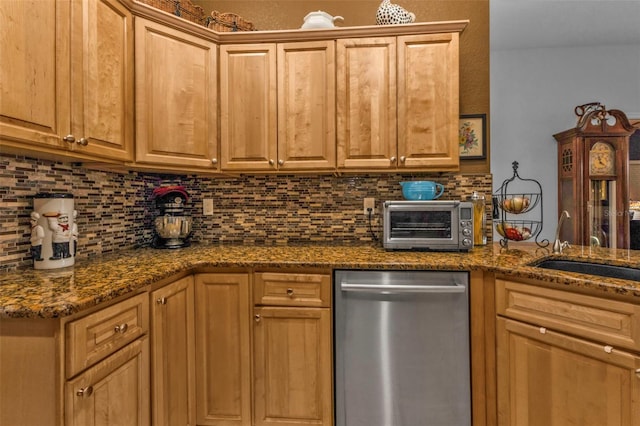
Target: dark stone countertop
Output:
[(61, 292)]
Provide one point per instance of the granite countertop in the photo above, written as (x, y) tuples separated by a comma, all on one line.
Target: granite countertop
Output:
[(61, 292)]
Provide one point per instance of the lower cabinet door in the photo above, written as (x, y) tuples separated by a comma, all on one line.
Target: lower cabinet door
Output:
[(173, 354), (547, 378), (292, 366), (114, 392), (223, 350)]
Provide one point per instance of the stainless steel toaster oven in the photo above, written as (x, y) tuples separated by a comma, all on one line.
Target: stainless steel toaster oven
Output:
[(439, 225)]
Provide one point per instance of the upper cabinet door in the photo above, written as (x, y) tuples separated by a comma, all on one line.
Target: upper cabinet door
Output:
[(102, 78), (366, 93), (34, 76), (248, 107), (428, 101), (306, 105), (176, 105)]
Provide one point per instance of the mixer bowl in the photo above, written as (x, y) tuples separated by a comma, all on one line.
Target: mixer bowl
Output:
[(174, 229)]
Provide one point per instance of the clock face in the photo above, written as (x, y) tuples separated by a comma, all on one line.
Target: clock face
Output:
[(602, 160)]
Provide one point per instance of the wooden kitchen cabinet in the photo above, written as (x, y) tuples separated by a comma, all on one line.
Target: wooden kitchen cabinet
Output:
[(277, 106), (67, 89), (566, 358), (114, 392), (176, 99), (398, 102), (293, 366), (306, 105), (173, 354), (223, 349), (113, 385)]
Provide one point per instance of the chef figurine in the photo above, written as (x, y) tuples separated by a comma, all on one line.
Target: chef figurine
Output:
[(59, 225), (37, 235)]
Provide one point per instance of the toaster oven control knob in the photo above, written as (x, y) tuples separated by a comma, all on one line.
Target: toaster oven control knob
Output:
[(467, 242), (466, 232)]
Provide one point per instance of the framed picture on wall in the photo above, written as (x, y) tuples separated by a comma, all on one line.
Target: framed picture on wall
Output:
[(472, 136)]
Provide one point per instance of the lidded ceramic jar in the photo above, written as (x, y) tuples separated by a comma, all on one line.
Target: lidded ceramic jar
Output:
[(54, 233)]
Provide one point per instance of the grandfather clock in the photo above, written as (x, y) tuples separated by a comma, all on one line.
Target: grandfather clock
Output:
[(593, 177)]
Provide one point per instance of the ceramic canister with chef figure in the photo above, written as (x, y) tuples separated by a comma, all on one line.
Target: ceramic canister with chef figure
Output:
[(54, 233)]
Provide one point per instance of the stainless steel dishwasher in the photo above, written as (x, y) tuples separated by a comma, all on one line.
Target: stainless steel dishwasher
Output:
[(402, 348)]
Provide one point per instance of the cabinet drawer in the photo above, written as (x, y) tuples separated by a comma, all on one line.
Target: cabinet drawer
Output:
[(607, 321), (292, 289), (100, 334)]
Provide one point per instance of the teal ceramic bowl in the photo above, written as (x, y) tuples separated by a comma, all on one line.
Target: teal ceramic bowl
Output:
[(421, 190)]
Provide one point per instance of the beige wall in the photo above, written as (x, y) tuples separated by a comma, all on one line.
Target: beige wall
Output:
[(474, 41)]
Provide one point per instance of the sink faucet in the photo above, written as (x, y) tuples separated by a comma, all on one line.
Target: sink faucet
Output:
[(558, 246)]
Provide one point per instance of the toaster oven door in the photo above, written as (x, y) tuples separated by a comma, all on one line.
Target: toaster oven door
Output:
[(426, 225)]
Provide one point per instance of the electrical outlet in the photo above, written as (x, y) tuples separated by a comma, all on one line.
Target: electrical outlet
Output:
[(207, 207), (369, 203)]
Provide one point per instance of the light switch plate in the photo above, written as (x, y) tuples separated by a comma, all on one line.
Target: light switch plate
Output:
[(207, 207)]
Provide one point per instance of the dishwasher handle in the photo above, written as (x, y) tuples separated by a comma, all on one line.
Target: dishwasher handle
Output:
[(403, 288)]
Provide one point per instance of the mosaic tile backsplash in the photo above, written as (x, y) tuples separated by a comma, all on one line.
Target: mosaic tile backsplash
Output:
[(115, 210)]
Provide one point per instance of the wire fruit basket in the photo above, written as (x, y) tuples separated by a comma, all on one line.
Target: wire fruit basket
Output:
[(519, 203)]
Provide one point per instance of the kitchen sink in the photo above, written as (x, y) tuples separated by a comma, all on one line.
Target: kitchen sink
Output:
[(609, 271)]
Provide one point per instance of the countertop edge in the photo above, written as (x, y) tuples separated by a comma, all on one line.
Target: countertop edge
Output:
[(64, 292)]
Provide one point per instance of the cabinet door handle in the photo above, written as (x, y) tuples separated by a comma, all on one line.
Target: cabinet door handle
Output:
[(69, 138), (403, 159), (271, 162), (257, 317), (608, 349), (281, 162), (392, 159), (85, 392), (290, 292), (214, 161), (122, 328), (638, 373), (83, 141), (161, 301)]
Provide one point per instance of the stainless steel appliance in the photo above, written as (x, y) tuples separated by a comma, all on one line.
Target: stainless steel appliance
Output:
[(402, 348), (173, 226), (428, 225)]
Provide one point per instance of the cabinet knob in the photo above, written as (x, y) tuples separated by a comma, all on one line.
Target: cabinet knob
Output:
[(403, 159), (271, 162), (85, 392), (281, 162), (638, 373), (290, 292), (257, 317), (543, 330), (122, 328), (214, 161), (393, 159), (608, 349), (69, 138), (83, 141), (161, 301)]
